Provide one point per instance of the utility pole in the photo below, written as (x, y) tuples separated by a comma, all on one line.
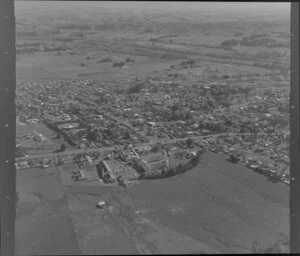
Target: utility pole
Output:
[(7, 128)]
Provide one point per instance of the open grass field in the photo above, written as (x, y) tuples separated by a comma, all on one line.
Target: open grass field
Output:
[(217, 205), (233, 204), (43, 224), (43, 67)]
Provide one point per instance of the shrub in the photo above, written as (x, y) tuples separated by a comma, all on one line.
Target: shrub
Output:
[(106, 59), (229, 43), (156, 148), (188, 62), (128, 59), (118, 64)]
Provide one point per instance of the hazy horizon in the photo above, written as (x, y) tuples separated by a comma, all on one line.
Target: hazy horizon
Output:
[(257, 8)]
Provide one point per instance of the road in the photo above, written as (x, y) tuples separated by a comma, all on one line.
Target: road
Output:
[(107, 149)]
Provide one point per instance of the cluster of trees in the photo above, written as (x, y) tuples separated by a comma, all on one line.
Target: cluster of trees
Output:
[(256, 36), (106, 59), (282, 121), (106, 135), (219, 89), (284, 108), (273, 65), (54, 48), (62, 148), (181, 168), (64, 134), (32, 49), (190, 142), (105, 26), (250, 127), (213, 126), (73, 109), (254, 40), (128, 59), (24, 44), (227, 44), (118, 64), (64, 39), (217, 95), (135, 88), (197, 159), (257, 42), (156, 148), (181, 114), (94, 134), (20, 151), (27, 50), (74, 26), (23, 118), (187, 62), (26, 33), (273, 54)]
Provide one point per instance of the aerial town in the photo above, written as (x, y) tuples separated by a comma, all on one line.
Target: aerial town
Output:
[(158, 116), (138, 130)]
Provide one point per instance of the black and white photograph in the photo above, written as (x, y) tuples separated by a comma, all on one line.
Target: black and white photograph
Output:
[(152, 127)]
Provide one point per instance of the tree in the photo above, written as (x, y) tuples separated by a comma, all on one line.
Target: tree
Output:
[(229, 43), (210, 103), (228, 122), (190, 142), (180, 167), (74, 109), (135, 88), (93, 135), (22, 119), (20, 151), (156, 148), (196, 160), (63, 147), (188, 115), (127, 135)]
